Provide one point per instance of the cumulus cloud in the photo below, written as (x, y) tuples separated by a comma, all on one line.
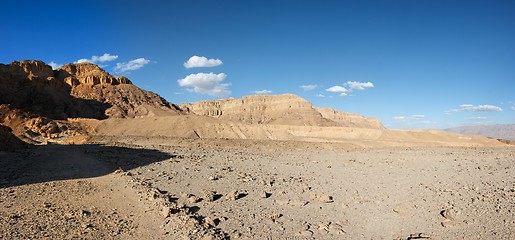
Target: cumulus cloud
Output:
[(338, 89), (349, 87), (308, 87), (359, 85), (54, 65), (320, 95), (206, 83), (264, 91), (200, 61), (131, 65), (478, 108), (99, 59)]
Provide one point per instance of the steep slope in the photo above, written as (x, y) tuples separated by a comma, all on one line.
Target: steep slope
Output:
[(285, 109), (500, 131)]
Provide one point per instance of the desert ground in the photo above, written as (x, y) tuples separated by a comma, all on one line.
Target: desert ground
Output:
[(129, 187)]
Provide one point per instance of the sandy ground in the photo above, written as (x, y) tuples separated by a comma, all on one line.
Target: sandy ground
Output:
[(168, 188)]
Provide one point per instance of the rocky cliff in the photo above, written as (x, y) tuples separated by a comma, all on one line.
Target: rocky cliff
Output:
[(120, 96), (36, 101), (285, 109)]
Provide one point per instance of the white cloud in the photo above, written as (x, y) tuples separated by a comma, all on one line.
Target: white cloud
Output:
[(359, 85), (478, 108), (415, 117), (96, 59), (320, 95), (477, 118), (54, 65), (264, 91), (206, 83), (196, 61), (131, 65), (308, 87), (338, 89)]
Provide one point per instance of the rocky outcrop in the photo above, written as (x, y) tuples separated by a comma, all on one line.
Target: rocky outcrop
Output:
[(285, 109), (35, 101), (88, 74)]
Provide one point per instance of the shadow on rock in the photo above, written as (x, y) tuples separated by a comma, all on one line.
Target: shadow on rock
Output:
[(65, 162)]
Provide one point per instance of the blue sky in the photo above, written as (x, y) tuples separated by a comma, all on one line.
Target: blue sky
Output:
[(412, 64)]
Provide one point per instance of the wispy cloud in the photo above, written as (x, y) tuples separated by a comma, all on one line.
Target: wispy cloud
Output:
[(99, 59), (200, 61), (309, 87), (477, 118), (320, 95), (338, 89), (54, 65), (415, 117), (473, 108), (264, 91), (359, 85), (206, 83), (131, 65)]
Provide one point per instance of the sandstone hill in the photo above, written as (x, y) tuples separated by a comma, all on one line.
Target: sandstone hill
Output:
[(36, 101), (285, 109)]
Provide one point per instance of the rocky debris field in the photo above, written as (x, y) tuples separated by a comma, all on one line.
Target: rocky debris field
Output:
[(156, 188)]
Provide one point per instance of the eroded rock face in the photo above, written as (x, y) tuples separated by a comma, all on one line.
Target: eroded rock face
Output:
[(87, 73), (285, 109)]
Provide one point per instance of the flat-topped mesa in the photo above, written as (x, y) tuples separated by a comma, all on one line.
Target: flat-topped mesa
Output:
[(75, 74), (350, 119), (285, 109)]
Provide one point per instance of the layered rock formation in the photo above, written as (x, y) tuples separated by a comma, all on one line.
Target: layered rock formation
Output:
[(35, 101), (286, 109)]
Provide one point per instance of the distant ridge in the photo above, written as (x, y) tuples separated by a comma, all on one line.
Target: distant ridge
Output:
[(283, 109), (498, 131)]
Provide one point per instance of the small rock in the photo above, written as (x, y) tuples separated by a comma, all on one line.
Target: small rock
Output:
[(264, 194), (193, 199), (306, 233), (211, 222), (322, 198), (234, 195), (165, 212)]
